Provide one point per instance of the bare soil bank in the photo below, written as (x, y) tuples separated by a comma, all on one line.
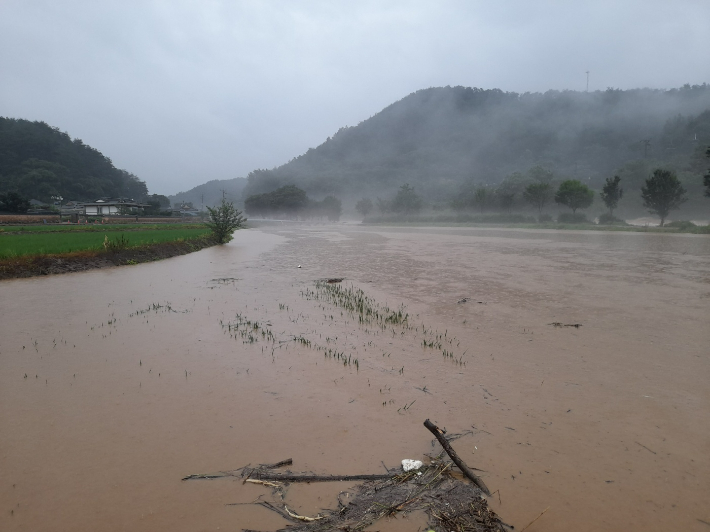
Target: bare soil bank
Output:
[(82, 261)]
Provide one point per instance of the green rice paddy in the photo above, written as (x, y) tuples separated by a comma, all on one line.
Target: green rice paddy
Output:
[(68, 239), (91, 228)]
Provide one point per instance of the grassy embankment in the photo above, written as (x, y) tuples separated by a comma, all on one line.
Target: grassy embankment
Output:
[(93, 228), (42, 250), (58, 240)]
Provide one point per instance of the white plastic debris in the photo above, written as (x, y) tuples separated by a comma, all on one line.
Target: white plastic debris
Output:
[(299, 265), (408, 465)]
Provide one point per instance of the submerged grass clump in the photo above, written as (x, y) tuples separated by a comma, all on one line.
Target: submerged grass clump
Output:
[(368, 312), (157, 307), (340, 356), (249, 331), (359, 305)]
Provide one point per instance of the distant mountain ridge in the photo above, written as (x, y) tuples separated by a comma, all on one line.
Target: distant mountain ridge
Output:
[(439, 139), (39, 161), (210, 194)]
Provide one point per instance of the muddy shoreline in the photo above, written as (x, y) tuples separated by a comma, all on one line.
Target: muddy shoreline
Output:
[(22, 267)]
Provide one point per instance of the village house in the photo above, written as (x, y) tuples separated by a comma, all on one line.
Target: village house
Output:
[(103, 207)]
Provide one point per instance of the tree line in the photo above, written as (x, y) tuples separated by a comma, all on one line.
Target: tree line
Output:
[(292, 202), (661, 193)]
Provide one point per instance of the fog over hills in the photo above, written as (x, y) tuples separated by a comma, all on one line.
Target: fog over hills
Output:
[(212, 192), (440, 139)]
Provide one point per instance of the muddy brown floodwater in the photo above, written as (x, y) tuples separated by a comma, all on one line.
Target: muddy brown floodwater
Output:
[(114, 384)]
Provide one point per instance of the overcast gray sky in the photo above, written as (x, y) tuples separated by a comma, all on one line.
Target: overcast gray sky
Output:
[(181, 92)]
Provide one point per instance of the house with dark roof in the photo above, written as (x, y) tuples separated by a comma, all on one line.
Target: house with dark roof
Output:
[(104, 207)]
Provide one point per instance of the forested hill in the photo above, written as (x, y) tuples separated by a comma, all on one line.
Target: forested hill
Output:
[(440, 139), (212, 192), (39, 161)]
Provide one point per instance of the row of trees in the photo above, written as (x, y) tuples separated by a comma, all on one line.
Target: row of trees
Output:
[(406, 201), (661, 193), (292, 202)]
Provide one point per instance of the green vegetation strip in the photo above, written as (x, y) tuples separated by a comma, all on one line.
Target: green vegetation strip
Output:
[(22, 245), (91, 228)]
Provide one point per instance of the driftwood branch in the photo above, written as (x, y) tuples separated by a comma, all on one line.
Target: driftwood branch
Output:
[(282, 463), (211, 476), (260, 474), (302, 517), (264, 483), (236, 472), (538, 517), (276, 509), (288, 514), (439, 434)]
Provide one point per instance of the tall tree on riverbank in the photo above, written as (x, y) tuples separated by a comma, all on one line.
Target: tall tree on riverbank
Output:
[(662, 193), (612, 193), (537, 195), (364, 206), (331, 207), (224, 220), (407, 201), (706, 179), (574, 194)]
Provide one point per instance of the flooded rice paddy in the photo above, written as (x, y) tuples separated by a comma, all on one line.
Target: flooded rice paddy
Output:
[(115, 384)]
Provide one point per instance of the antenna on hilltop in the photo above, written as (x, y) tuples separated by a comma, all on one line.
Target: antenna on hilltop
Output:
[(587, 80)]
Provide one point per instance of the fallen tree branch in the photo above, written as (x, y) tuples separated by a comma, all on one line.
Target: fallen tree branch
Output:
[(276, 509), (282, 463), (538, 517), (235, 472), (301, 517), (292, 477), (210, 476), (439, 434), (264, 483)]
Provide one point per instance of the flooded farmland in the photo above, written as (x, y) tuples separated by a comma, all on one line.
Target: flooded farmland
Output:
[(577, 363)]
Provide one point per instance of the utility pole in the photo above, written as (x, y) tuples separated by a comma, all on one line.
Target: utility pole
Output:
[(587, 80), (202, 199)]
